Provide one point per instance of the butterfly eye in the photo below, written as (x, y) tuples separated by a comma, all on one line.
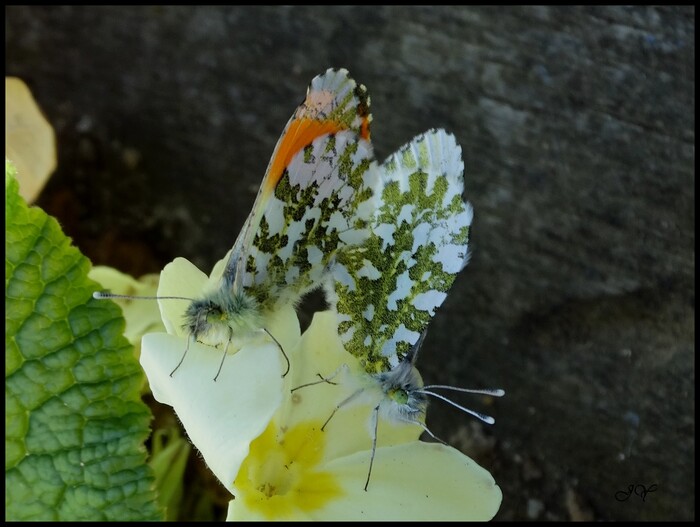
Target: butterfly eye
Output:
[(398, 395)]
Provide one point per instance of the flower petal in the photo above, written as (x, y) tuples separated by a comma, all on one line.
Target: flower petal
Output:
[(221, 417), (179, 278), (236, 512), (414, 481)]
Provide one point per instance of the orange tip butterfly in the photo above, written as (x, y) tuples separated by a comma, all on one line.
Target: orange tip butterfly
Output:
[(315, 200)]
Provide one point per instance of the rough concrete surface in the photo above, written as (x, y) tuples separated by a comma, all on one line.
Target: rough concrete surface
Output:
[(578, 133)]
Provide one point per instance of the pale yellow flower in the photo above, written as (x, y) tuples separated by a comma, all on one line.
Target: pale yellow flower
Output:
[(296, 471), (221, 417), (266, 443), (30, 142)]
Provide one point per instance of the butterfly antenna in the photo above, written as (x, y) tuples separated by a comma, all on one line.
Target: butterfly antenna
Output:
[(374, 443), (281, 349), (483, 417), (102, 295), (494, 392)]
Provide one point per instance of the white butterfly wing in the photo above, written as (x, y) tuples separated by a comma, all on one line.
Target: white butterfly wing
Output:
[(387, 290)]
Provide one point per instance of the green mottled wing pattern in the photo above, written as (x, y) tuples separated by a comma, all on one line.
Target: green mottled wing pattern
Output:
[(387, 290), (316, 197), (322, 203)]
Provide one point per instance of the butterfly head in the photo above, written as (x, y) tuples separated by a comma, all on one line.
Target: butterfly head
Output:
[(215, 318), (401, 386)]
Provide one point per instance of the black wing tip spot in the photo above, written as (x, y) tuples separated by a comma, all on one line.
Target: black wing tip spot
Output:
[(363, 100)]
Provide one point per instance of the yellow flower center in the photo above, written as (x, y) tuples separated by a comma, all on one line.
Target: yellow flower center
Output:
[(282, 473)]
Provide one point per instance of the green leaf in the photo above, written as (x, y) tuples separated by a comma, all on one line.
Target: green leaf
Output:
[(75, 424)]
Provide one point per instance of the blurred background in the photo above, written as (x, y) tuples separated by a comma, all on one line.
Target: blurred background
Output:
[(577, 127)]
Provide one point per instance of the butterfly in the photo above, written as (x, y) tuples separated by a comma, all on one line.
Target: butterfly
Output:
[(315, 199), (387, 289)]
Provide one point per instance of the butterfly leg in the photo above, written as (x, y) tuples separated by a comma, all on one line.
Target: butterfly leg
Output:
[(374, 443), (281, 349), (426, 429), (183, 355), (327, 380), (221, 365), (340, 405)]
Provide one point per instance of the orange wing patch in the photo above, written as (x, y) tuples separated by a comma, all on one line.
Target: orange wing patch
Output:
[(299, 134)]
